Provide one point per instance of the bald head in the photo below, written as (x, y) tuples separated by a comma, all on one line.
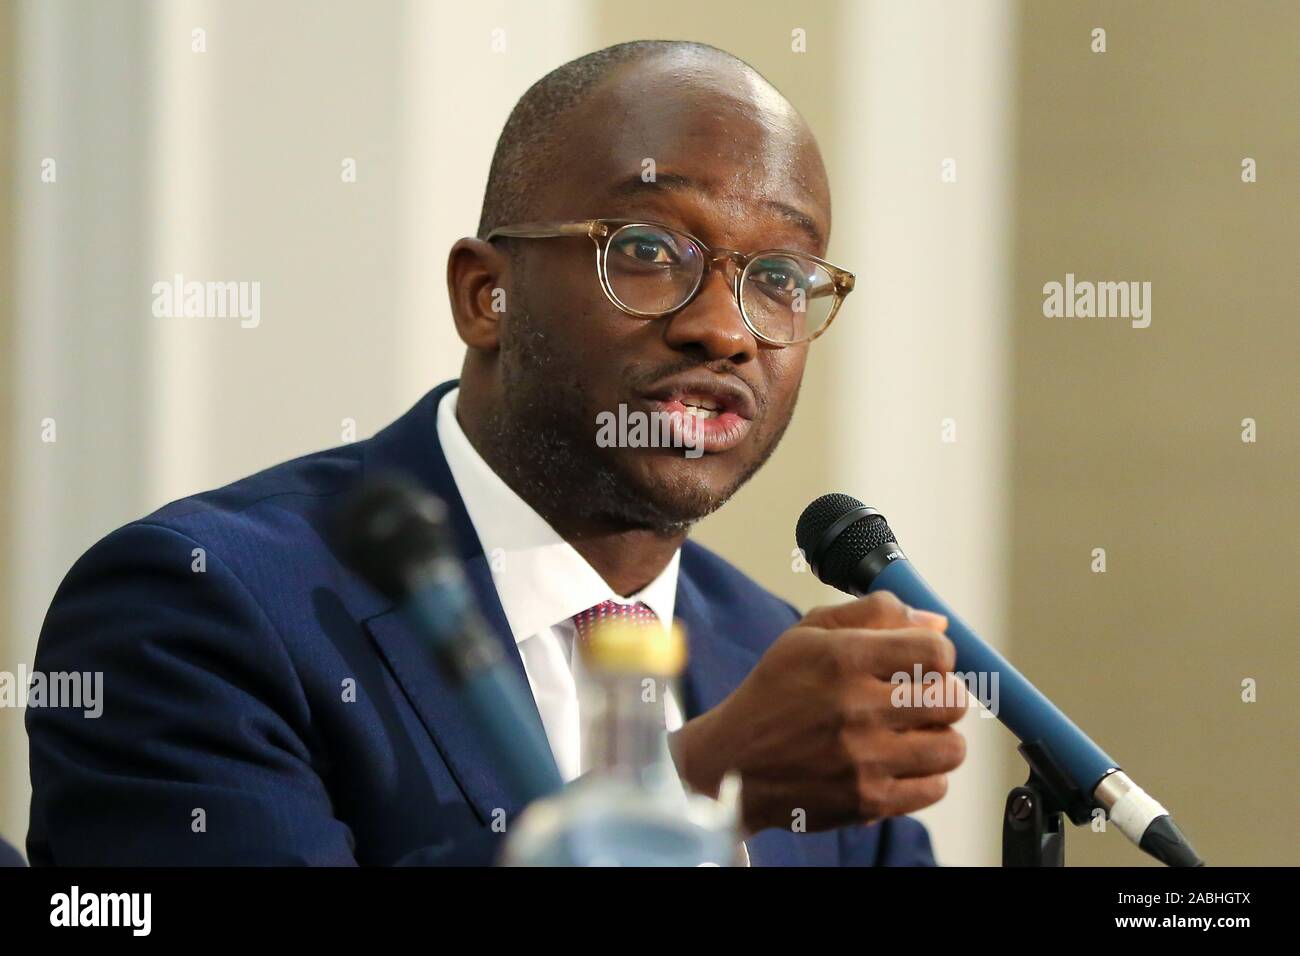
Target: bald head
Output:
[(608, 99)]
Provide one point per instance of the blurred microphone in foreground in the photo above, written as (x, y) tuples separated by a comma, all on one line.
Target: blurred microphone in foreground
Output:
[(631, 808), (395, 536)]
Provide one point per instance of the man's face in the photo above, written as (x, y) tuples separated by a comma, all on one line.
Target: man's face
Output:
[(734, 166)]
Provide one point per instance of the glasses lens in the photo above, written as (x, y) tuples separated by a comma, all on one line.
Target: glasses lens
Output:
[(652, 269), (787, 297)]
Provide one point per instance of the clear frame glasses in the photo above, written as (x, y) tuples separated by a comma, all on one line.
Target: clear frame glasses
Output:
[(648, 269)]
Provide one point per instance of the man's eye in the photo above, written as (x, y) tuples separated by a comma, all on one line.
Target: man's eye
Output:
[(781, 277), (653, 249)]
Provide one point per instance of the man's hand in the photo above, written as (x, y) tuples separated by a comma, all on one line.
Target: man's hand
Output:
[(814, 727)]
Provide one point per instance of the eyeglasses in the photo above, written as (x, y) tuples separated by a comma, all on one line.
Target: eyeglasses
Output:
[(648, 270)]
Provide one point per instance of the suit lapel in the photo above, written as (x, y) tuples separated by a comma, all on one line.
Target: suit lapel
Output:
[(715, 665), (410, 447)]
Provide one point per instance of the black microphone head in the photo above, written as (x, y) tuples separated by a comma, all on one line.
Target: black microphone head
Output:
[(836, 532), (387, 529)]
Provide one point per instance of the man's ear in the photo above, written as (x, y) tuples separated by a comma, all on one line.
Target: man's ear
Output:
[(477, 274)]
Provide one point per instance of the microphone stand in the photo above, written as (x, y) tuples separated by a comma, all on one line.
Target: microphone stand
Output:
[(1032, 831)]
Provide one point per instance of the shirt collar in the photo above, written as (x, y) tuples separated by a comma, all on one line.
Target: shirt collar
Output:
[(539, 577)]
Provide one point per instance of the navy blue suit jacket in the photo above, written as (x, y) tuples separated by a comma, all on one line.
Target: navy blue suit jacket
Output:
[(223, 688)]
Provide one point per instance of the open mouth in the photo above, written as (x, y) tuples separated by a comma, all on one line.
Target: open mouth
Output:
[(711, 415)]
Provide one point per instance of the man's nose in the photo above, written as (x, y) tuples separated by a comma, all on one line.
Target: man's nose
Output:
[(712, 321)]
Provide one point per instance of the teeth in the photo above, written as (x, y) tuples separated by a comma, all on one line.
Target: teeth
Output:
[(701, 403), (696, 412)]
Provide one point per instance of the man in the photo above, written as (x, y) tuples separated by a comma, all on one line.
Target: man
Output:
[(229, 634)]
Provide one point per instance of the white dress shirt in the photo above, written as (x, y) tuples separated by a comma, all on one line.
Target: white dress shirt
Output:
[(542, 582)]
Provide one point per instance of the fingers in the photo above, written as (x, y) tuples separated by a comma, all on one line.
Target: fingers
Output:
[(882, 654), (922, 752), (906, 795), (904, 705), (877, 610), (773, 802), (859, 735), (908, 772), (930, 703)]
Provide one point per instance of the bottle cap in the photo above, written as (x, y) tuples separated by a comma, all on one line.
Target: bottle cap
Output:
[(626, 647)]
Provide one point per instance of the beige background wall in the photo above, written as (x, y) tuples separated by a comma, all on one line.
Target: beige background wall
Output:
[(1069, 435), (1129, 167)]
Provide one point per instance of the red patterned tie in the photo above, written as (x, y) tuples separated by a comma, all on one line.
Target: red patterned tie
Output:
[(585, 621), (637, 614)]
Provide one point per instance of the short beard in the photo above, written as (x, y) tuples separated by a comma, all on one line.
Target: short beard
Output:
[(544, 448)]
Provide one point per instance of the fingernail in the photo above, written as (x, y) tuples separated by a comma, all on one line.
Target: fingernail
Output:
[(927, 619)]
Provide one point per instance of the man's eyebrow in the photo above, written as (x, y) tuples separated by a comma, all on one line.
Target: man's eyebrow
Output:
[(634, 185), (801, 220)]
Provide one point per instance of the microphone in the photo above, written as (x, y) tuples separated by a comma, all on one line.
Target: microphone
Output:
[(396, 537), (851, 547)]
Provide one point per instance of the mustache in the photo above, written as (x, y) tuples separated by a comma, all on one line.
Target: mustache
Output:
[(643, 378)]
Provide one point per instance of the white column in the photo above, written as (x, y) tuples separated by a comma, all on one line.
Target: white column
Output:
[(463, 68), (924, 343), (80, 357)]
